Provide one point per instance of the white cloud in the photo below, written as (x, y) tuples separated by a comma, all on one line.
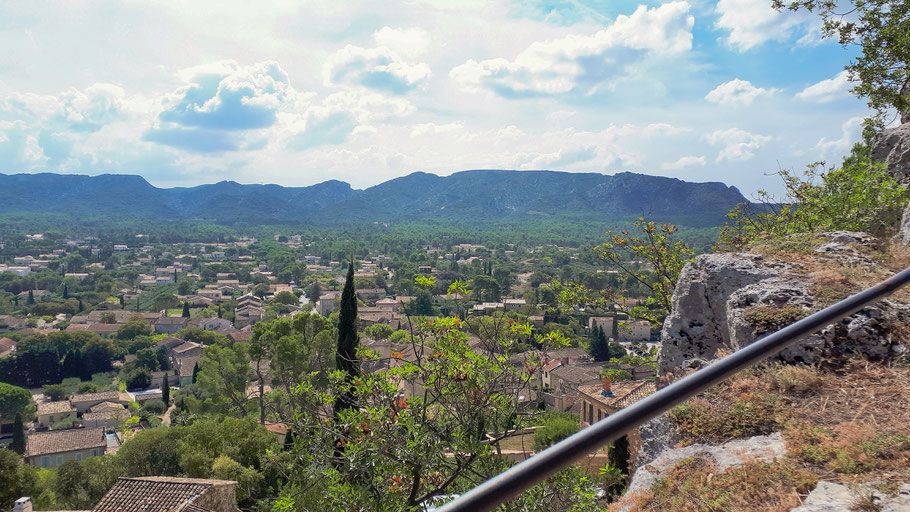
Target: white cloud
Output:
[(754, 22), (827, 90), (377, 68), (738, 145), (436, 129), (737, 92), (683, 162), (560, 65), (409, 42), (851, 133), (561, 158)]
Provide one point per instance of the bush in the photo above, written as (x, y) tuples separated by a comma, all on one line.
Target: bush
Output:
[(140, 378), (554, 430), (700, 420), (154, 406), (400, 336), (55, 392), (772, 318), (860, 196)]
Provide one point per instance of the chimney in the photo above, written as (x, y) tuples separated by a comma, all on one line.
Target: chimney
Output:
[(607, 383), (23, 505)]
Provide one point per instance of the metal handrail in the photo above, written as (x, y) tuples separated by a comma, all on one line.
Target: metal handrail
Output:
[(508, 484)]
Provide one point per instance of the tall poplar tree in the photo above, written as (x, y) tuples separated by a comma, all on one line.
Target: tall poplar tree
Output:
[(346, 355)]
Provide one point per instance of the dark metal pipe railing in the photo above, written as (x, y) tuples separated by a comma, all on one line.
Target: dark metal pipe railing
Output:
[(510, 483)]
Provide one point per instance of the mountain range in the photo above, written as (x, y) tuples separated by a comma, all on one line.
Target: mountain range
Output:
[(470, 196)]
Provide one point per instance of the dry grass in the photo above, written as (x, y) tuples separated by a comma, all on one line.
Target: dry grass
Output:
[(696, 485)]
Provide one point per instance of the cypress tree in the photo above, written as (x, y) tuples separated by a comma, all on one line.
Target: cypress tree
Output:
[(186, 309), (18, 445), (615, 333), (346, 355), (195, 371), (31, 297), (599, 348), (219, 311), (166, 390), (66, 291), (81, 307)]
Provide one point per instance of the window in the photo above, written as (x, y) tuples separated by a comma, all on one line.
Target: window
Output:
[(600, 415), (590, 414), (59, 460), (44, 461)]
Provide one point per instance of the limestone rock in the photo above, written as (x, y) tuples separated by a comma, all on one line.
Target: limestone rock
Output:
[(715, 292), (834, 497), (892, 146), (697, 328), (656, 436), (731, 453)]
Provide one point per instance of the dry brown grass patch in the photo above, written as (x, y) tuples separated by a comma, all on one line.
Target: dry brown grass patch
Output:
[(696, 485)]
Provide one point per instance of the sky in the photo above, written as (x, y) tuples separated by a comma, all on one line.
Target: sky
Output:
[(299, 92)]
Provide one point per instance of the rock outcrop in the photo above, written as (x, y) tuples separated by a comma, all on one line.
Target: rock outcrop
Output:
[(835, 497), (731, 453), (892, 146), (717, 293)]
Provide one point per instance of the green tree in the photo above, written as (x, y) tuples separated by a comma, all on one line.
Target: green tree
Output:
[(132, 329), (556, 428), (224, 373), (599, 348), (286, 297), (55, 392), (879, 29), (186, 309), (16, 479), (378, 331), (140, 378), (166, 390), (15, 400), (18, 444), (348, 341), (166, 301), (31, 297), (195, 371)]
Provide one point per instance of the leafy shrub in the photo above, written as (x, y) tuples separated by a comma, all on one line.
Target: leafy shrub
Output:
[(154, 406), (140, 378), (554, 430), (860, 196), (55, 392)]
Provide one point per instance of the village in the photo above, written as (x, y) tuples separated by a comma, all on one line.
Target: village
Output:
[(182, 298)]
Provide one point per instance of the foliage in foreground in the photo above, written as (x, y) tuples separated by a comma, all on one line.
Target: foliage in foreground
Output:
[(860, 196)]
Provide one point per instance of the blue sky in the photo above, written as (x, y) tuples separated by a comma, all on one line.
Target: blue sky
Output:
[(296, 93)]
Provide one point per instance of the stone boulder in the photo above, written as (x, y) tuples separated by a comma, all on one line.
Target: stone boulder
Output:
[(716, 294)]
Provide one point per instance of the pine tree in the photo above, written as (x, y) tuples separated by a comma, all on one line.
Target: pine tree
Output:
[(346, 355), (195, 371), (66, 291), (18, 445), (186, 309), (166, 390)]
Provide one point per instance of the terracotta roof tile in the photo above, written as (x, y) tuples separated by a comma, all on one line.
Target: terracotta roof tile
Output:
[(58, 441), (155, 494)]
